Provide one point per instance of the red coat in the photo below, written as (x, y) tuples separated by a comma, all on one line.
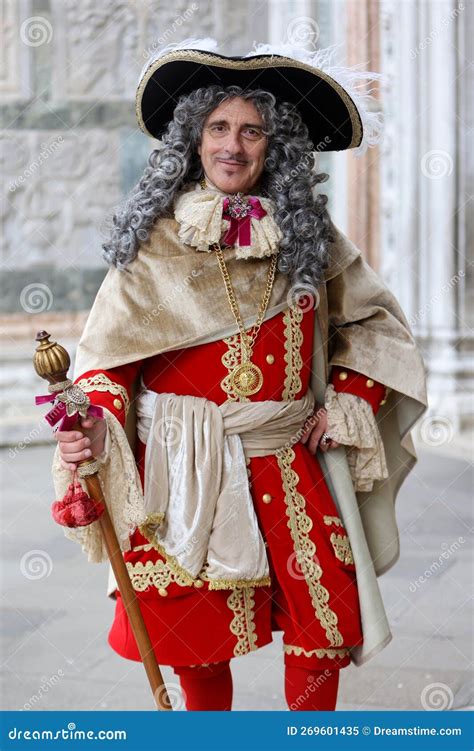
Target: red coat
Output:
[(316, 606)]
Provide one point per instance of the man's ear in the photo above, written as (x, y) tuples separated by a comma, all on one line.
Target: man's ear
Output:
[(199, 149)]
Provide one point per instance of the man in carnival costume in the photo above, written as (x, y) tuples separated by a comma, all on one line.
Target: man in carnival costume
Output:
[(271, 376)]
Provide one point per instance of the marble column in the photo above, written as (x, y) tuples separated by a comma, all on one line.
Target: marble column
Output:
[(363, 185), (425, 192)]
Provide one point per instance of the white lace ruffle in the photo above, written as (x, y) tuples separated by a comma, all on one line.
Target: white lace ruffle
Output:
[(199, 213), (122, 490), (351, 422)]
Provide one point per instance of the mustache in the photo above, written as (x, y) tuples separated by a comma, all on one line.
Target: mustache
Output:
[(233, 159)]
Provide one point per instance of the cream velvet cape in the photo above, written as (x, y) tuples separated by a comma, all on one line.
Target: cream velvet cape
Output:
[(173, 296)]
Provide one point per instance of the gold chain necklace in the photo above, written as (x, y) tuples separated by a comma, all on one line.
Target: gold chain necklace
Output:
[(246, 378)]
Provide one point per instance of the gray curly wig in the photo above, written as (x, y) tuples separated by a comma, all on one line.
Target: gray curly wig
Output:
[(288, 179)]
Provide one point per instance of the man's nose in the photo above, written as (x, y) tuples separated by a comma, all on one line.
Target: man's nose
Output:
[(234, 144)]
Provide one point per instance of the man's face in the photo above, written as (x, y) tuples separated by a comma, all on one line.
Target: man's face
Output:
[(232, 147)]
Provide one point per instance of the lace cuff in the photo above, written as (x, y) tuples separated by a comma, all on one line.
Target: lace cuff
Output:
[(122, 490), (351, 422)]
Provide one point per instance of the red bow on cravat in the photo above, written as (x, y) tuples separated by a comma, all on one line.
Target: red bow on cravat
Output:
[(238, 210)]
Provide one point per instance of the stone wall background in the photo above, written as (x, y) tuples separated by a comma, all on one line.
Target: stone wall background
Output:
[(70, 148), (70, 145)]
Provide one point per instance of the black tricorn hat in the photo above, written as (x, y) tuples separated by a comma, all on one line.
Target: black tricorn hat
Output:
[(336, 112)]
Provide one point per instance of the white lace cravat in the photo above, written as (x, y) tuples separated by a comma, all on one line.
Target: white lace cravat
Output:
[(199, 213)]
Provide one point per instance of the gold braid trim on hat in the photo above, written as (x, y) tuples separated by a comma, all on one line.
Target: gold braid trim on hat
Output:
[(204, 58)]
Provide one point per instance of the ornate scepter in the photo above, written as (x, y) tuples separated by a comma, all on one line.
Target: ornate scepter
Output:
[(51, 362)]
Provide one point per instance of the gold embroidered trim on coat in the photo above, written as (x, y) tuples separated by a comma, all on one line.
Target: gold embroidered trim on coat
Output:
[(331, 653), (148, 529), (149, 526), (332, 520), (340, 542), (342, 548), (152, 573), (101, 382), (265, 581), (146, 548), (230, 359), (293, 340), (175, 567), (300, 524), (241, 603)]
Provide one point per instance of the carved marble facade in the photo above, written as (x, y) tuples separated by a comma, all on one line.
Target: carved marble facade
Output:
[(426, 192), (70, 148)]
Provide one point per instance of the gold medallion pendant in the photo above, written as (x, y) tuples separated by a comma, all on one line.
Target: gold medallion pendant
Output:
[(246, 379)]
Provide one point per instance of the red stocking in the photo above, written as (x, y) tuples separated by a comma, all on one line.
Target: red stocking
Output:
[(206, 688), (309, 690)]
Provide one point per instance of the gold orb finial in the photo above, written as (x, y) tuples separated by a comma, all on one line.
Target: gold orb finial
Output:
[(51, 360)]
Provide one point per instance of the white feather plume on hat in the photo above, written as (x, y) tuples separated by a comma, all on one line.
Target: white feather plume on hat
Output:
[(207, 44), (353, 79)]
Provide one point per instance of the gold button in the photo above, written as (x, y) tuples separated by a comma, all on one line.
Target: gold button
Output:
[(199, 583), (247, 461), (266, 498), (117, 404), (270, 359), (369, 383), (384, 401), (266, 544), (343, 376), (162, 592)]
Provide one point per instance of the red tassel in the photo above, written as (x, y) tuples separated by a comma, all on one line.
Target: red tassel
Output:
[(76, 509)]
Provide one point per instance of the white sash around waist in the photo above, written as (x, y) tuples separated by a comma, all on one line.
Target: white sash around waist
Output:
[(196, 479)]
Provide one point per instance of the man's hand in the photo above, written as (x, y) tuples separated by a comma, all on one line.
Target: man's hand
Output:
[(75, 446), (314, 428)]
